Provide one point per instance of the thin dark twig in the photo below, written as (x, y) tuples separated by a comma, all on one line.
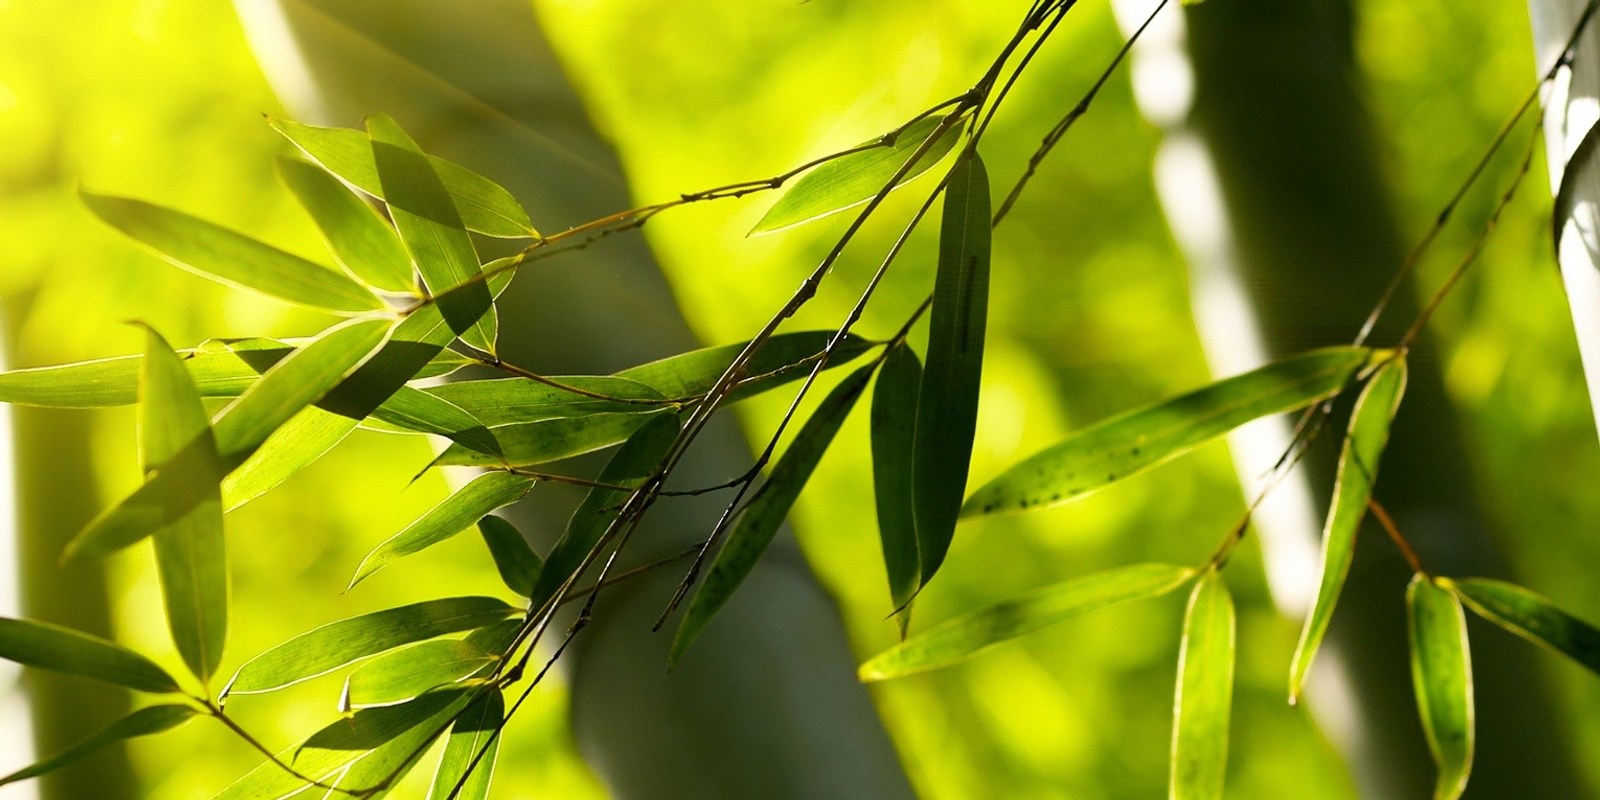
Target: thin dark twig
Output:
[(1387, 523)]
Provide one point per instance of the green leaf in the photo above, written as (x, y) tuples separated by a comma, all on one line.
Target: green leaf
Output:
[(191, 557), (143, 722), (854, 179), (759, 522), (1530, 616), (543, 441), (485, 206), (1441, 672), (894, 424), (457, 513), (1358, 469), (378, 774), (295, 445), (359, 238), (1129, 443), (947, 407), (1205, 693), (432, 231), (518, 565), (411, 671), (411, 409), (784, 358), (297, 381), (365, 735), (325, 649), (215, 252), (52, 647), (633, 462), (964, 636), (504, 401), (476, 731)]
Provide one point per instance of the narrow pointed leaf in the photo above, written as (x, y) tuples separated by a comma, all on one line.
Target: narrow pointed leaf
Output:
[(411, 409), (785, 357), (144, 722), (1205, 693), (345, 741), (485, 206), (377, 774), (325, 649), (1530, 616), (191, 558), (1358, 469), (360, 240), (1130, 443), (894, 424), (504, 401), (947, 406), (458, 512), (634, 461), (431, 228), (410, 671), (1441, 672), (964, 636), (516, 562), (762, 516), (296, 444), (52, 647), (544, 441), (475, 732), (220, 254), (854, 179)]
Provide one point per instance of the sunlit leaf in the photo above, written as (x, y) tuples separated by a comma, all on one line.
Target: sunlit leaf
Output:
[(218, 253), (633, 462), (1205, 693), (1128, 443), (191, 559), (894, 424), (543, 441), (143, 722), (52, 647), (412, 670), (1530, 616), (360, 240), (433, 233), (784, 358), (947, 406), (485, 207), (1441, 672), (1358, 469), (475, 733), (854, 179), (759, 521), (503, 401), (377, 775), (411, 409), (457, 513), (516, 562), (1035, 611), (325, 649), (411, 725)]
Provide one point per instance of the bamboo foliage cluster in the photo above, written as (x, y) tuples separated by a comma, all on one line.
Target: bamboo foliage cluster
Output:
[(413, 302)]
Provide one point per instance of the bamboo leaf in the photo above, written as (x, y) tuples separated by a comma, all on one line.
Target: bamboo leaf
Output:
[(504, 401), (1530, 616), (476, 730), (964, 636), (410, 671), (1358, 470), (359, 238), (634, 461), (191, 557), (325, 649), (784, 358), (359, 737), (516, 562), (759, 522), (1441, 672), (411, 409), (485, 206), (947, 406), (377, 775), (894, 424), (1129, 443), (215, 252), (52, 647), (547, 440), (433, 233), (458, 512), (144, 722), (854, 179), (1205, 693)]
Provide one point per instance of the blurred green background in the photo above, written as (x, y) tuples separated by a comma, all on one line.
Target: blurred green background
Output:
[(1090, 315)]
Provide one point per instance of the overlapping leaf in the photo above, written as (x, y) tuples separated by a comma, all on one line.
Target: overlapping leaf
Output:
[(784, 358), (1441, 672), (1530, 616), (543, 441), (1205, 693), (516, 562), (475, 732), (144, 722), (361, 240), (458, 512), (412, 670), (894, 425), (52, 647)]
